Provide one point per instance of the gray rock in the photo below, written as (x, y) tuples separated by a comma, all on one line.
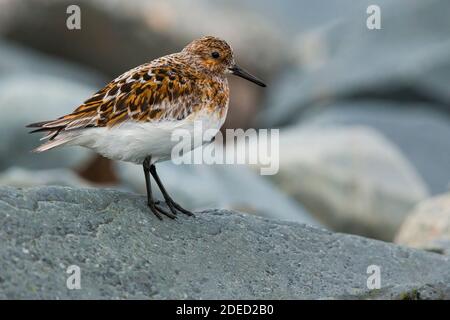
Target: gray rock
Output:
[(123, 251), (35, 87), (223, 186), (420, 132), (21, 177), (407, 60), (15, 58), (428, 226), (27, 98), (143, 30), (298, 16), (107, 30), (351, 178)]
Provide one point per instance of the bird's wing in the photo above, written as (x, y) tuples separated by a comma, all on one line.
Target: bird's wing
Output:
[(150, 92)]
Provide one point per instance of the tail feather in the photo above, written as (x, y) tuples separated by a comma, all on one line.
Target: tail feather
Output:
[(51, 135), (37, 124), (52, 124), (59, 141), (55, 134), (43, 130)]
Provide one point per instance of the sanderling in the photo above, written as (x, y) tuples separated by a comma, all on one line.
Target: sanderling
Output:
[(132, 117)]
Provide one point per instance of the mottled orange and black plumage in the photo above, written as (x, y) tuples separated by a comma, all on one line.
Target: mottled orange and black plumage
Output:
[(163, 89), (168, 88)]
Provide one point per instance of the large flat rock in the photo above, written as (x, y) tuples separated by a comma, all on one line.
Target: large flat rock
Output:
[(123, 251)]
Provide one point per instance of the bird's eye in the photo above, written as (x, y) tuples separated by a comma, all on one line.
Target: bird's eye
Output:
[(215, 55)]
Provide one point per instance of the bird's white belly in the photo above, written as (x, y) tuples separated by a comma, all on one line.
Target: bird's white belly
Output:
[(134, 141)]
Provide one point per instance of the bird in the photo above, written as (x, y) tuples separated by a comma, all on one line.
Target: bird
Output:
[(132, 118)]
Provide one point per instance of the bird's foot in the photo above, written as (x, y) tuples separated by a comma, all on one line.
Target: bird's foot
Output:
[(158, 211), (176, 207), (157, 208)]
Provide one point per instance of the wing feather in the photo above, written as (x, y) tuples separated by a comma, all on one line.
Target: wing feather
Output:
[(156, 91)]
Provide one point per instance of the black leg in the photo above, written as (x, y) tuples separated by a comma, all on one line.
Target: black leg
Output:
[(173, 206), (157, 211)]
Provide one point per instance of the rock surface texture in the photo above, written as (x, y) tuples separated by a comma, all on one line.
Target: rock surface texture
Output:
[(125, 252)]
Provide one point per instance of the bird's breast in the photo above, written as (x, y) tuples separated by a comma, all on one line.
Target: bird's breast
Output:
[(215, 96)]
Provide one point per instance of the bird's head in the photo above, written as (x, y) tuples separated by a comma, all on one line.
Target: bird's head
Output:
[(216, 56)]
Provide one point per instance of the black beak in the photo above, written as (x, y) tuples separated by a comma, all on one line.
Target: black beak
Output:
[(238, 71)]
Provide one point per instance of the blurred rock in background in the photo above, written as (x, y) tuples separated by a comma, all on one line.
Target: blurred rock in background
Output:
[(418, 130), (36, 88), (428, 226), (394, 79), (21, 60), (20, 177), (403, 61), (351, 178)]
